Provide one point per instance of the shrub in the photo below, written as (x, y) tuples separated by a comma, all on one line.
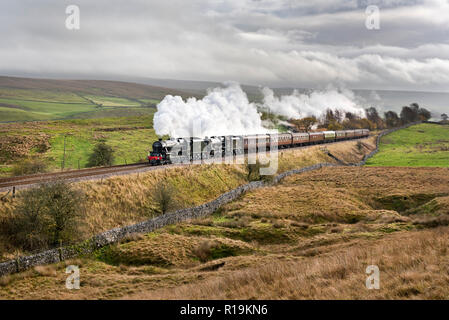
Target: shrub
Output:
[(203, 250), (29, 166), (211, 250), (241, 223), (164, 196), (45, 216), (253, 172), (102, 155)]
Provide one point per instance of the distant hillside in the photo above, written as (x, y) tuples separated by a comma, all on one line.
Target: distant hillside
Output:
[(107, 88), (26, 99), (200, 87)]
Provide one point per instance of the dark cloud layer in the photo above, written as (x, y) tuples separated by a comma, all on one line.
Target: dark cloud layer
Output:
[(268, 42)]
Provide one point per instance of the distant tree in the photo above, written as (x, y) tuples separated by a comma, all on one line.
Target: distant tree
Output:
[(365, 124), (414, 113), (330, 119), (334, 125), (350, 116), (392, 119), (352, 121), (415, 107), (327, 118), (102, 155), (347, 124), (339, 115), (424, 114), (373, 115), (305, 124), (444, 117), (408, 114), (269, 116)]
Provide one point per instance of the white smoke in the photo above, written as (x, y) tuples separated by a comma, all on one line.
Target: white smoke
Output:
[(300, 105), (227, 111), (223, 111)]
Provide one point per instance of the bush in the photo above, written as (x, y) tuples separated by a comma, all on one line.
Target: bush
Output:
[(253, 172), (29, 166), (164, 196), (45, 216), (203, 251), (102, 155)]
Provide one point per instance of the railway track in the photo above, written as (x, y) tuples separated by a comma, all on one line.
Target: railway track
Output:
[(66, 175), (99, 172)]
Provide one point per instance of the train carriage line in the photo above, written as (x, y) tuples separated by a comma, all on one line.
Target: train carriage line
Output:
[(183, 150)]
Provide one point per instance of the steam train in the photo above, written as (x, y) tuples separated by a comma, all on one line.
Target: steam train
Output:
[(184, 150)]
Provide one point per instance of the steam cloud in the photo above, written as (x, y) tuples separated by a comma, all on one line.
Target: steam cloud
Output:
[(223, 111), (227, 111), (298, 105)]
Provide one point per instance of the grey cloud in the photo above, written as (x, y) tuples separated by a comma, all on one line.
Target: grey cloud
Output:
[(278, 43)]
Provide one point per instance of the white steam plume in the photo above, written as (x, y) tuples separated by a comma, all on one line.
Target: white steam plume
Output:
[(227, 111), (223, 111), (299, 105)]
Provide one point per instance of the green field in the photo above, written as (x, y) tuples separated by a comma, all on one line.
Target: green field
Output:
[(113, 101), (38, 115), (423, 145), (27, 99), (130, 137), (32, 105)]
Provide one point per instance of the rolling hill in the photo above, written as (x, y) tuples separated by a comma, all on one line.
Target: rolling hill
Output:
[(26, 99)]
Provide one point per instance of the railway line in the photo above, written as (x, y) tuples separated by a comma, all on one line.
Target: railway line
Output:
[(21, 182), (66, 175)]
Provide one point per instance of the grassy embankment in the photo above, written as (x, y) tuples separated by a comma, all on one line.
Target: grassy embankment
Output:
[(424, 145), (273, 244), (270, 226), (128, 199), (311, 236)]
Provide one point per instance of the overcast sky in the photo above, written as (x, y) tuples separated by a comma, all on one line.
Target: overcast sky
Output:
[(262, 42)]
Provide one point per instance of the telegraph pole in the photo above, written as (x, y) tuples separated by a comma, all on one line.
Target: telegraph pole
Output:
[(63, 157)]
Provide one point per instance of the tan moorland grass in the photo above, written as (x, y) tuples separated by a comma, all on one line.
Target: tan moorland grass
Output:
[(416, 266), (265, 246), (377, 182), (124, 200)]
